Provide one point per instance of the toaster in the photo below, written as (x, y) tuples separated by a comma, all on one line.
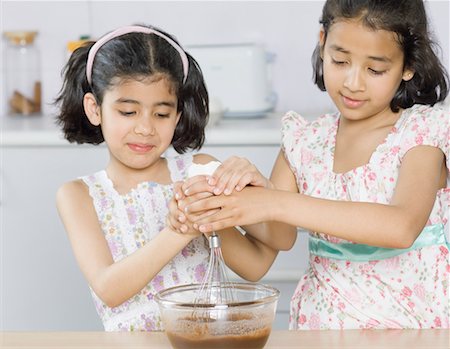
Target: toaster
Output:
[(239, 76)]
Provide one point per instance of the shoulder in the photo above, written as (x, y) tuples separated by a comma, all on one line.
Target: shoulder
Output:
[(296, 129), (203, 158), (427, 125), (180, 164), (436, 118), (72, 193), (429, 114), (75, 187), (294, 120)]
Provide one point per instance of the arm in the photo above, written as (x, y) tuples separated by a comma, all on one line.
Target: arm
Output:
[(113, 282), (240, 252), (277, 234), (394, 225), (234, 174)]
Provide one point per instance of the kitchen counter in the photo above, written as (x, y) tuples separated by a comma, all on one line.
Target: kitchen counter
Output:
[(349, 339), (41, 130)]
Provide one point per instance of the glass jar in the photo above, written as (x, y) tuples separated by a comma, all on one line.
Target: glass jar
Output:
[(23, 75)]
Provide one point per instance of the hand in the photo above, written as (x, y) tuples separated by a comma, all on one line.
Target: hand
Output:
[(235, 173), (249, 206), (177, 218)]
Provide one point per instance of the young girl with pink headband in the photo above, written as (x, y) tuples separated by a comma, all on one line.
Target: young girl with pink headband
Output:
[(138, 91)]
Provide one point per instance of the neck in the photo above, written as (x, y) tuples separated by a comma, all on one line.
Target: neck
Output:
[(126, 178)]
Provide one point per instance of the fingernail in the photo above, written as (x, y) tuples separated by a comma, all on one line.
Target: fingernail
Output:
[(202, 228), (195, 225), (216, 191), (211, 181), (186, 192), (177, 196), (183, 228), (180, 218), (186, 209), (227, 192)]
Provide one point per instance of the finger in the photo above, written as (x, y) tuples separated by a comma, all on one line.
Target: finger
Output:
[(197, 187), (194, 218), (225, 167), (175, 225), (210, 203), (237, 182), (243, 182), (221, 182), (215, 226), (177, 190), (190, 181), (189, 200)]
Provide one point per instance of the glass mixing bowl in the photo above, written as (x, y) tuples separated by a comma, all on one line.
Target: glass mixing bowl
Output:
[(245, 323)]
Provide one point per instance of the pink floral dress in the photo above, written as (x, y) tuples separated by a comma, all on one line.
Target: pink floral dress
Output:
[(352, 286), (129, 221)]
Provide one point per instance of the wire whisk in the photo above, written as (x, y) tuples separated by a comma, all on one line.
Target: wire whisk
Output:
[(216, 287)]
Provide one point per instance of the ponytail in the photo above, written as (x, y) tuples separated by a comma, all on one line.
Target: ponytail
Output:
[(72, 117)]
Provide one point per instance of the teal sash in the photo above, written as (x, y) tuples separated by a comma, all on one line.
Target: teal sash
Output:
[(430, 235)]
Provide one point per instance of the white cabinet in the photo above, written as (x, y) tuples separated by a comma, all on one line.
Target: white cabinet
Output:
[(41, 286)]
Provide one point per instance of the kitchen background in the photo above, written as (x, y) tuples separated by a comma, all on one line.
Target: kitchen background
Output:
[(41, 287)]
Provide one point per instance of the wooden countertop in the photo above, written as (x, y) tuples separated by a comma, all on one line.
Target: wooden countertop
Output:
[(349, 339)]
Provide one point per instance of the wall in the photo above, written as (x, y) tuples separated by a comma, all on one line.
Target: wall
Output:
[(287, 28)]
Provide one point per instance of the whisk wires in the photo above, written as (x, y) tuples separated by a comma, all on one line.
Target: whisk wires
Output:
[(216, 287)]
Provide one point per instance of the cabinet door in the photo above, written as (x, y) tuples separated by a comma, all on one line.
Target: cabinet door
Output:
[(41, 285)]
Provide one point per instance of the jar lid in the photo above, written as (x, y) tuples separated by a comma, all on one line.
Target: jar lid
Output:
[(73, 45), (21, 37)]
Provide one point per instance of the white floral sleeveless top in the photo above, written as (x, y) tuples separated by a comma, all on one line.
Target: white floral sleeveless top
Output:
[(351, 286), (128, 222)]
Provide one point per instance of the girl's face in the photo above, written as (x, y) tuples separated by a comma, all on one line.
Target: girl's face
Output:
[(138, 120), (362, 69)]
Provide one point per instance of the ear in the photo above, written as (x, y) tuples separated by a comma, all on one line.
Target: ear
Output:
[(92, 109), (322, 37), (408, 74), (178, 118)]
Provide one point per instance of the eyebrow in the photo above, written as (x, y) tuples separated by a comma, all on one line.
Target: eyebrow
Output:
[(133, 101), (383, 59)]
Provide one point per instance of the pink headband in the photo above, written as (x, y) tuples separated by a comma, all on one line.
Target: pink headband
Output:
[(133, 29)]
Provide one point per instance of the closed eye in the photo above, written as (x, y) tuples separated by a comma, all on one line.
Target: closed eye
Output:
[(338, 62), (127, 113), (377, 72)]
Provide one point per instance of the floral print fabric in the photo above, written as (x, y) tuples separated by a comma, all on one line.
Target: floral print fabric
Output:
[(410, 290), (129, 221)]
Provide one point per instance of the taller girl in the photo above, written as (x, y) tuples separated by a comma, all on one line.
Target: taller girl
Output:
[(371, 182)]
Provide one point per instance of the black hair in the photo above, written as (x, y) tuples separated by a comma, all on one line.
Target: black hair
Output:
[(136, 56), (408, 20)]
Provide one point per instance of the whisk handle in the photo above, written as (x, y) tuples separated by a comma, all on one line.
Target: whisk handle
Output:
[(214, 241)]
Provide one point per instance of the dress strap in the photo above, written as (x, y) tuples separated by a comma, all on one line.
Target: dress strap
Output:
[(430, 235), (178, 166)]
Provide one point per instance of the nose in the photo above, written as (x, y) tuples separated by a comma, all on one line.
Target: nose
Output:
[(354, 80), (144, 126)]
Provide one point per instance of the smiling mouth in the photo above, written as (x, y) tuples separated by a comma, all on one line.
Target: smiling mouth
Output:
[(140, 148), (352, 103)]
